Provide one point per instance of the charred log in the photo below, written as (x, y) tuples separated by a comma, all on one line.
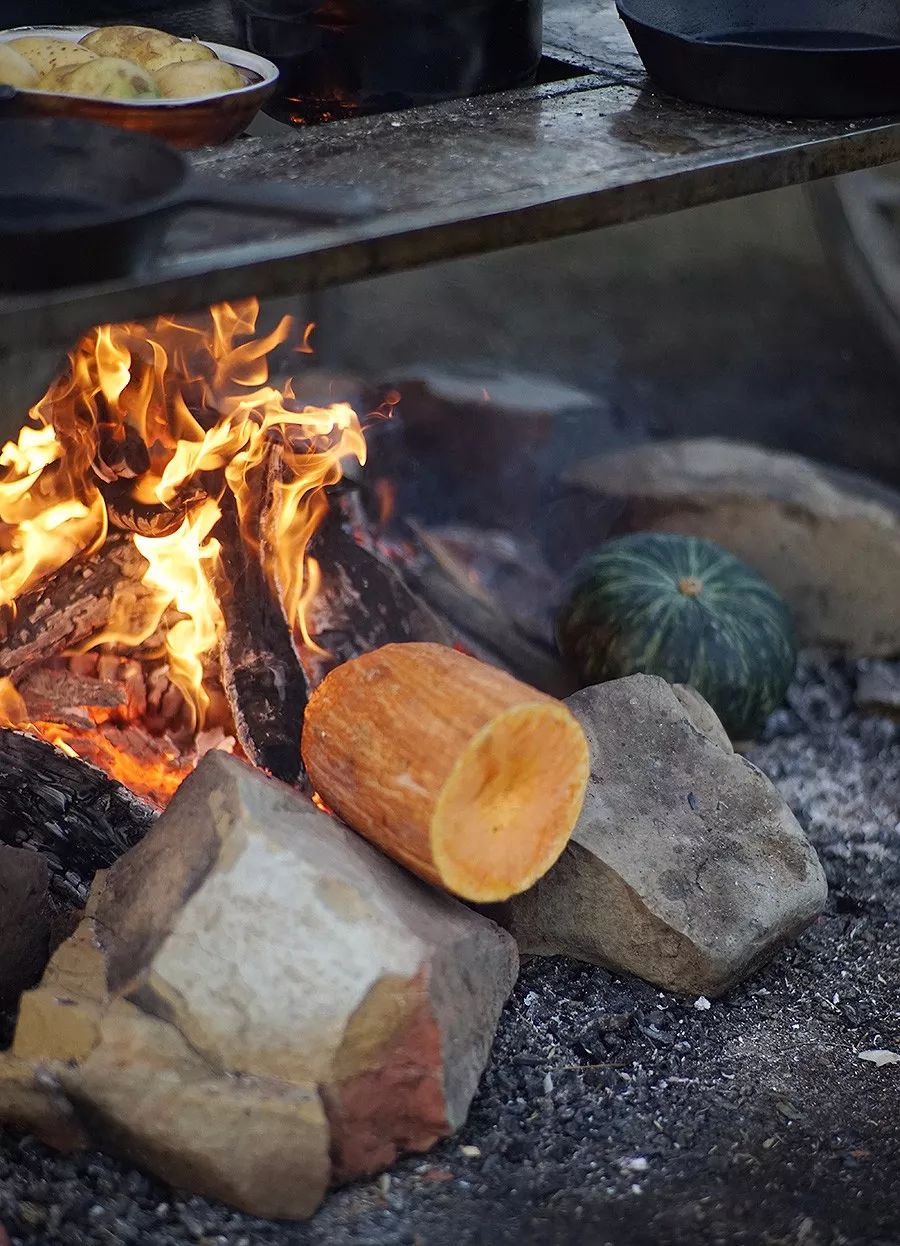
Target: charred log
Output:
[(71, 607), (363, 603), (366, 601), (54, 694), (260, 667), (155, 519), (73, 814)]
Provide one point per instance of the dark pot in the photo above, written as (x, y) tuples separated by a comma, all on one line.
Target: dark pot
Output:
[(346, 56)]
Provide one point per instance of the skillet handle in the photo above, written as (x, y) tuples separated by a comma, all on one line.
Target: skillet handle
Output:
[(308, 203)]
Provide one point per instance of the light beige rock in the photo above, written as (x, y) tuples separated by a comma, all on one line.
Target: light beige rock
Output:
[(60, 1019), (686, 867), (828, 541), (260, 1144), (258, 1003)]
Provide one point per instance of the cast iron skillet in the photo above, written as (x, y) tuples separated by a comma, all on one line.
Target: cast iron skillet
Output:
[(786, 58), (81, 202)]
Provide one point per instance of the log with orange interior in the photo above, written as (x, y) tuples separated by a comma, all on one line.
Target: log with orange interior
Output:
[(470, 779)]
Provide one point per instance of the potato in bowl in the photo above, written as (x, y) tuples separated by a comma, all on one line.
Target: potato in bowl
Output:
[(189, 92)]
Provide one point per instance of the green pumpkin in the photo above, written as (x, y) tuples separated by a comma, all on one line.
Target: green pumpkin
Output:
[(687, 610)]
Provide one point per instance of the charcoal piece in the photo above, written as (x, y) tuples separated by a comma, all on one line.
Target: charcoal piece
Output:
[(73, 814)]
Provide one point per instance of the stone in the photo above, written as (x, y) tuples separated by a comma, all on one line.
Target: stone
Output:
[(260, 1144), (829, 541), (442, 411), (25, 921), (702, 715), (258, 1004), (878, 689), (686, 867)]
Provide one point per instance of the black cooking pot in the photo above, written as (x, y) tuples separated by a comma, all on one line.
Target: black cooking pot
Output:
[(346, 56)]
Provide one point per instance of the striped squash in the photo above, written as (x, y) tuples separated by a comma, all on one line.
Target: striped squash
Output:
[(687, 610)]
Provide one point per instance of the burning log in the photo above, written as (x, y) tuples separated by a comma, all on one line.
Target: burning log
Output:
[(261, 671), (77, 818), (145, 518), (74, 605), (469, 778), (54, 695), (362, 603)]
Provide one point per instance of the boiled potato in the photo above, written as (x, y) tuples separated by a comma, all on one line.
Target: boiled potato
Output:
[(15, 71), (132, 43), (105, 77), (185, 50), (198, 78), (47, 55)]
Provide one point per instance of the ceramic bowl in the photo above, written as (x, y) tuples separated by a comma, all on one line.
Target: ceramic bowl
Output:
[(185, 123)]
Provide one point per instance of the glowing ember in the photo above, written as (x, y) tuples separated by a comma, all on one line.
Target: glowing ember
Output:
[(146, 431)]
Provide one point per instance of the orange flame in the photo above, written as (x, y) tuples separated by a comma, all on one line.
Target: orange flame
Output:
[(306, 346), (146, 429)]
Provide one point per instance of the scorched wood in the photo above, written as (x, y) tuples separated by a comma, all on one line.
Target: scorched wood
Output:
[(484, 627), (362, 603), (73, 814), (72, 606), (261, 671)]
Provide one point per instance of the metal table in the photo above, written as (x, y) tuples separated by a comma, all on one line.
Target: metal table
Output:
[(596, 147)]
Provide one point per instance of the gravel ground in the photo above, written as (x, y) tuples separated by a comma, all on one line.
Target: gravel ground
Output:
[(611, 1113)]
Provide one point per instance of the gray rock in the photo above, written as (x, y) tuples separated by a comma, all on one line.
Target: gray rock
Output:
[(878, 689), (829, 541), (24, 921), (251, 960), (686, 867)]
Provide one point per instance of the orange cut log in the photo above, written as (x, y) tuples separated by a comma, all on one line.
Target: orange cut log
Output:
[(470, 779)]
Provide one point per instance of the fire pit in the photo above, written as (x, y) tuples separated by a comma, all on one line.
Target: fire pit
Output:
[(184, 560)]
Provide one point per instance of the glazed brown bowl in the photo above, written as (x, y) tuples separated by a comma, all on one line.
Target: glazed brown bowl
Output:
[(185, 123)]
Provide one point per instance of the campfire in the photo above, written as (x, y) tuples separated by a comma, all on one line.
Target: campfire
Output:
[(156, 513), (181, 572), (189, 583)]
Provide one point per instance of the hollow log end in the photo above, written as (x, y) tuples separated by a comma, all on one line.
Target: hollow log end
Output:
[(509, 806), (471, 779)]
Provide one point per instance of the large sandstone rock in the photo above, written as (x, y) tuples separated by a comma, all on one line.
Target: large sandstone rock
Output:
[(259, 1004), (829, 541), (686, 866), (24, 921)]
